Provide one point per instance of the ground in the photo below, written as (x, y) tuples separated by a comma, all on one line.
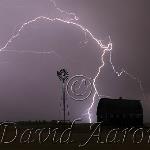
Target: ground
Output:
[(137, 138)]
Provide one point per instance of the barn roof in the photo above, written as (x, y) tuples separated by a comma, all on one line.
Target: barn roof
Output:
[(119, 106)]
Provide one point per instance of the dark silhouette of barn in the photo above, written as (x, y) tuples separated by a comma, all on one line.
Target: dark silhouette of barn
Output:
[(120, 112)]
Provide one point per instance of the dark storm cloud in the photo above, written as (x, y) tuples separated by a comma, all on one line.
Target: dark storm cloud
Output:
[(29, 84)]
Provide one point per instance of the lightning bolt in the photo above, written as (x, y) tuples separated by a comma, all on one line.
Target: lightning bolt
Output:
[(119, 74), (73, 21), (71, 14)]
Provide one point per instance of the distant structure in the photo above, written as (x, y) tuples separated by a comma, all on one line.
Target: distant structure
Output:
[(63, 76), (120, 112)]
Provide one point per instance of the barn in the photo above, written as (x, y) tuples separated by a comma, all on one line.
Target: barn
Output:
[(120, 112)]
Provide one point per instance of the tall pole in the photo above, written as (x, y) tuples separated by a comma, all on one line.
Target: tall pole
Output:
[(64, 102), (63, 76)]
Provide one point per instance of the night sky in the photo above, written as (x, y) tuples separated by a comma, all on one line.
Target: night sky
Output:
[(29, 86)]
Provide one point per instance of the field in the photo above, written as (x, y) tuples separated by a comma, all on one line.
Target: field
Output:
[(52, 135)]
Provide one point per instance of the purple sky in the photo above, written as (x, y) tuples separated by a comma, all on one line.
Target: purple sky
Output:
[(29, 87)]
